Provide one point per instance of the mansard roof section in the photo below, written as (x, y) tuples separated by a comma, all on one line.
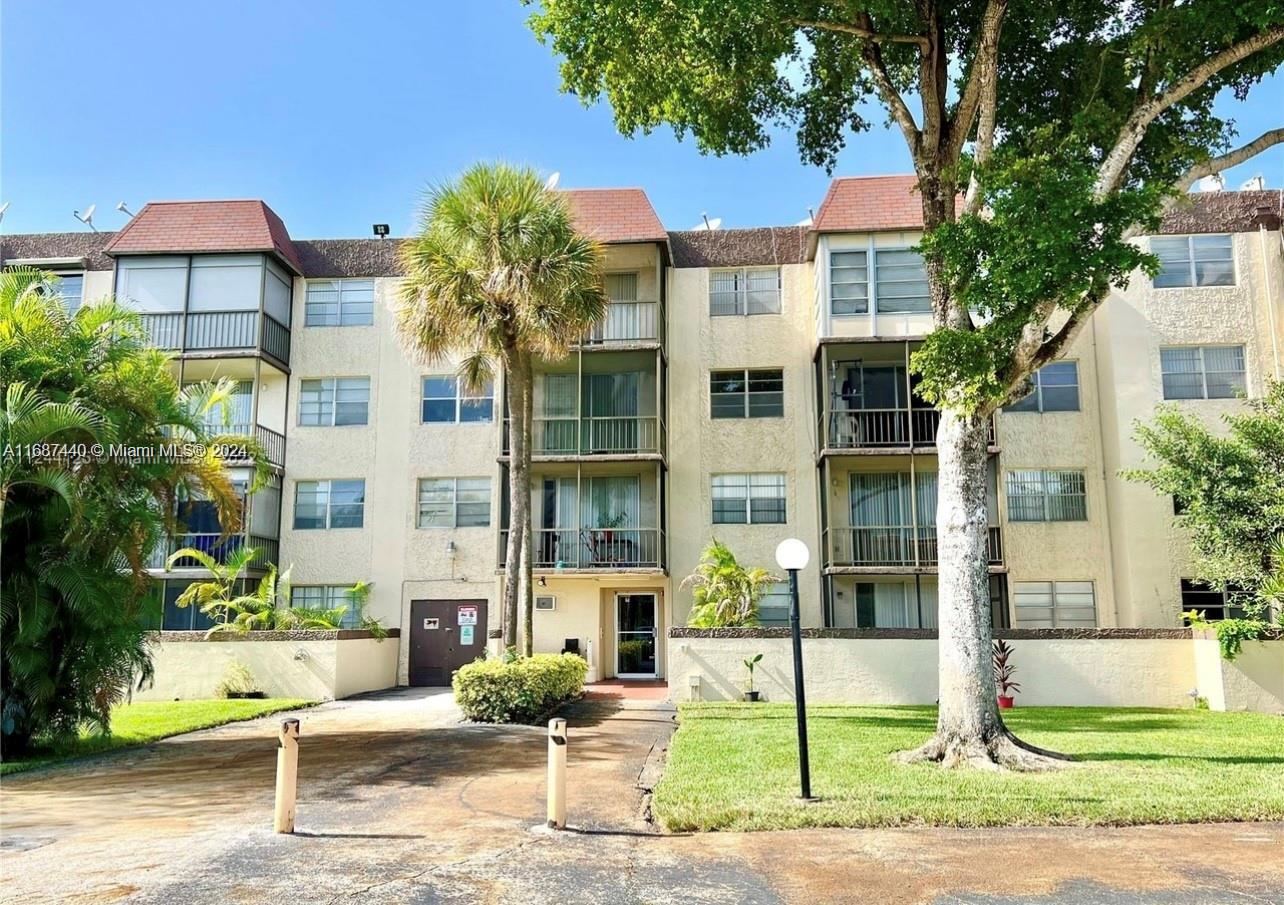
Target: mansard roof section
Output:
[(615, 216), (1225, 212), (766, 245), (85, 247), (206, 227), (870, 204)]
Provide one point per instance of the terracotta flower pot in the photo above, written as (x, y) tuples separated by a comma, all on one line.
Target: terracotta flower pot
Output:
[(1006, 703)]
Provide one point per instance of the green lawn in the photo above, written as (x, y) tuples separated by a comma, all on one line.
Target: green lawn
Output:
[(138, 724), (734, 766)]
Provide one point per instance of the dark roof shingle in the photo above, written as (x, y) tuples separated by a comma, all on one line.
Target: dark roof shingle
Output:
[(1225, 212), (37, 246), (739, 247)]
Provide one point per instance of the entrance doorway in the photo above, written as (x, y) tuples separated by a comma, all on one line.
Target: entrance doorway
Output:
[(444, 635), (636, 623)]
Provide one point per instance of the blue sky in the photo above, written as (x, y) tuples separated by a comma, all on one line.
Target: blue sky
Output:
[(340, 114)]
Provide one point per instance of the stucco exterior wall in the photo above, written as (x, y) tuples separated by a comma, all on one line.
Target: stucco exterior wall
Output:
[(316, 669), (700, 446), (1060, 672)]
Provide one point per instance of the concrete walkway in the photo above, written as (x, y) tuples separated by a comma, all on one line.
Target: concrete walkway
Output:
[(400, 802)]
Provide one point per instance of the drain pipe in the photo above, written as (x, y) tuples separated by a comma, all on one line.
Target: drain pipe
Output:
[(1270, 300)]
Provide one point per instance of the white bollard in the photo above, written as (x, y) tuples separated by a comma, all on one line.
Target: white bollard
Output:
[(557, 774), (287, 776)]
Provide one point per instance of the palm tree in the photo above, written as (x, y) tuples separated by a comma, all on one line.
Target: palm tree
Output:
[(499, 275)]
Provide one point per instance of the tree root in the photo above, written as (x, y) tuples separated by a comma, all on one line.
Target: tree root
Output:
[(1002, 751)]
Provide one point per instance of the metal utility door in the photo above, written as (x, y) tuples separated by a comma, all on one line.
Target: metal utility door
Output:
[(444, 635)]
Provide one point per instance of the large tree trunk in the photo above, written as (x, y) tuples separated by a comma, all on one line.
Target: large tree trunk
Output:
[(516, 380), (969, 730)]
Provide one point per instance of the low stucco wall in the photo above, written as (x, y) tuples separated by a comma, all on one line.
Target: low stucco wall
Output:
[(1099, 668), (313, 665)]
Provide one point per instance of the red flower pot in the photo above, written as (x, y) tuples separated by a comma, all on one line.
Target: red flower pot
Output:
[(1006, 703)]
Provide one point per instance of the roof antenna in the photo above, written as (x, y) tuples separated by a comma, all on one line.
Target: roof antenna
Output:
[(124, 210), (87, 218), (708, 224), (3, 207), (553, 180)]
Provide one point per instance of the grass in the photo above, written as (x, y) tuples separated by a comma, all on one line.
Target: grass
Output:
[(145, 722), (734, 767)]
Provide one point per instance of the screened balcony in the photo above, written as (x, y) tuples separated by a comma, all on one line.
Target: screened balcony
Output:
[(607, 520), (236, 416), (233, 304), (605, 414), (889, 520), (634, 316), (200, 528)]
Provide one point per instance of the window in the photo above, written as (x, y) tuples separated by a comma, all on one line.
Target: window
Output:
[(900, 282), (329, 504), (326, 597), (1047, 496), (773, 606), (747, 394), (849, 282), (753, 499), (1054, 604), (754, 290), (1202, 372), (447, 400), (1056, 389), (1193, 261), (225, 283), (454, 502), (71, 289), (1213, 603), (339, 303), (153, 284), (331, 401)]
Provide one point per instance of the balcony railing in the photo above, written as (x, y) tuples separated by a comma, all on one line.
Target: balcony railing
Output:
[(895, 545), (219, 546), (626, 322), (594, 548), (882, 428), (221, 331), (595, 435), (273, 443)]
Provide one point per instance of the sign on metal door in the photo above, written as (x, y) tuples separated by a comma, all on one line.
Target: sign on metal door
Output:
[(430, 623), (468, 615), (465, 634)]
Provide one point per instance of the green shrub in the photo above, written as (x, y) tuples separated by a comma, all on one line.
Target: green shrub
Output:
[(518, 691)]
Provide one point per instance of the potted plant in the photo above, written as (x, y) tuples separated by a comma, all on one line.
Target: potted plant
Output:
[(751, 694), (1003, 671)]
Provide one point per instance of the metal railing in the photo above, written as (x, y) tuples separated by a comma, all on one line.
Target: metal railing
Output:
[(219, 546), (895, 545), (874, 428), (272, 442), (209, 331), (593, 548), (594, 435), (626, 322)]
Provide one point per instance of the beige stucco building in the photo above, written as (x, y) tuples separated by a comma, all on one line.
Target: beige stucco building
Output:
[(747, 384)]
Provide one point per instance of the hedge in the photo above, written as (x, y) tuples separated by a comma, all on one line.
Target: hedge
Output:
[(520, 691)]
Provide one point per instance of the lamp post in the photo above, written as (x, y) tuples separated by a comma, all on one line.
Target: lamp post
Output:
[(792, 555)]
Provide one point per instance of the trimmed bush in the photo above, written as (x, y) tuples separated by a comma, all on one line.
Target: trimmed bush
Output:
[(521, 691)]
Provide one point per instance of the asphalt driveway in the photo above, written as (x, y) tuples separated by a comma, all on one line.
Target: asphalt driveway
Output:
[(400, 802)]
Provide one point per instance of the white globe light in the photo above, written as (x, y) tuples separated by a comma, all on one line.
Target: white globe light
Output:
[(792, 555)]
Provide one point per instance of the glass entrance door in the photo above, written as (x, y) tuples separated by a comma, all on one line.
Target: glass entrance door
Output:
[(635, 642)]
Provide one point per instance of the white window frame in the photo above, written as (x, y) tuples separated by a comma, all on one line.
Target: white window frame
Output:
[(1057, 610), (460, 397), (1044, 495), (331, 595), (339, 286), (742, 290), (329, 504), (454, 501), (1203, 370), (333, 401), (1190, 261), (871, 250), (1036, 379), (749, 482), (746, 394)]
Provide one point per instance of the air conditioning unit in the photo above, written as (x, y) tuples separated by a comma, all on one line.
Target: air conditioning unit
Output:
[(546, 602)]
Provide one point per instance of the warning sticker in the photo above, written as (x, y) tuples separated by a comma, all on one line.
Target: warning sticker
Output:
[(468, 615), (466, 635)]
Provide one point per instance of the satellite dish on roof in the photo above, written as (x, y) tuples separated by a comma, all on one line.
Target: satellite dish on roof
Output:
[(1255, 184), (124, 209), (707, 224), (1213, 183), (553, 180), (3, 207), (805, 221), (87, 217)]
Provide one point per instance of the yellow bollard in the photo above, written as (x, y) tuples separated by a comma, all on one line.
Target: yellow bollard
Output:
[(287, 776), (557, 774)]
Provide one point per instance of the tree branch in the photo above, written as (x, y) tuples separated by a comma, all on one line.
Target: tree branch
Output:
[(980, 100), (1113, 168), (887, 90), (863, 32), (933, 79), (1230, 159)]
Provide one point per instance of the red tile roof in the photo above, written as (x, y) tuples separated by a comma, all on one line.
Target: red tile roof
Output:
[(205, 226), (615, 215), (869, 204)]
